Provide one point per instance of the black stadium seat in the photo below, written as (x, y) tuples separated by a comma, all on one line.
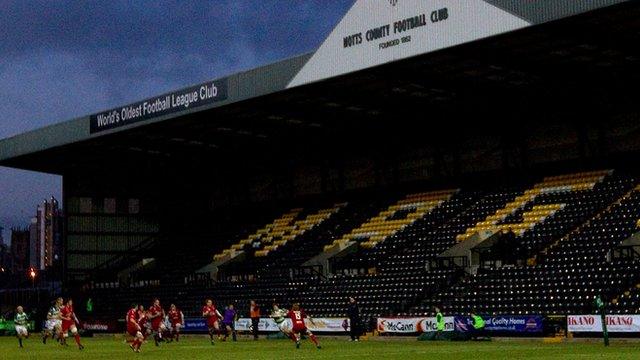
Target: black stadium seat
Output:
[(561, 265)]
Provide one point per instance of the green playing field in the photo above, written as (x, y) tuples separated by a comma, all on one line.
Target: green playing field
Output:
[(193, 348)]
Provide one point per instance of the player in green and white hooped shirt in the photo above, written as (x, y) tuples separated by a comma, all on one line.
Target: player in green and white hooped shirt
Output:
[(53, 325), (280, 318), (20, 320)]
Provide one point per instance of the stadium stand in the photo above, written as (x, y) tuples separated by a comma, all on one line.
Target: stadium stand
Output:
[(555, 184), (307, 243), (565, 227), (409, 240), (574, 269), (394, 219), (281, 229), (459, 178)]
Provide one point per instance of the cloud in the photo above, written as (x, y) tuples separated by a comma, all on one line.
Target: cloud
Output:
[(63, 59), (132, 50), (45, 87)]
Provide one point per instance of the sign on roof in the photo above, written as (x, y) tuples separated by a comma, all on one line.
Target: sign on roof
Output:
[(372, 33), (189, 98), (376, 32)]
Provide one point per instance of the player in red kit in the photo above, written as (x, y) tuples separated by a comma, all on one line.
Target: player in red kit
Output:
[(69, 321), (134, 329), (156, 316), (143, 322), (176, 319), (212, 315), (297, 316)]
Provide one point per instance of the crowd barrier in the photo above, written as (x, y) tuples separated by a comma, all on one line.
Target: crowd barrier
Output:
[(593, 323), (502, 324), (321, 325)]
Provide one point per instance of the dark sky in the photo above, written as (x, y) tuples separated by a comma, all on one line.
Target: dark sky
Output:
[(64, 59)]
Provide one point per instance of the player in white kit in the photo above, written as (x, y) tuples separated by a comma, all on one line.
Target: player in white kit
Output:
[(53, 324), (280, 318)]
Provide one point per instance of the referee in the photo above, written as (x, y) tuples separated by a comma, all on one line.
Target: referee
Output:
[(354, 319), (254, 313)]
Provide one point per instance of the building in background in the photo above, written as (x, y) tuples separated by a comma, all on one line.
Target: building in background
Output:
[(5, 254), (45, 235), (20, 239), (5, 258), (34, 243)]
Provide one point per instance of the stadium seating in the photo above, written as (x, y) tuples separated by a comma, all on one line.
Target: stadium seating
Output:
[(280, 229), (564, 226), (554, 184), (394, 218), (574, 269), (312, 243), (378, 294), (307, 244), (410, 240), (628, 302)]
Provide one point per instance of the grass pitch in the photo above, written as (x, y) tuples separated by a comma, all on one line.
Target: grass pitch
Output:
[(196, 347)]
